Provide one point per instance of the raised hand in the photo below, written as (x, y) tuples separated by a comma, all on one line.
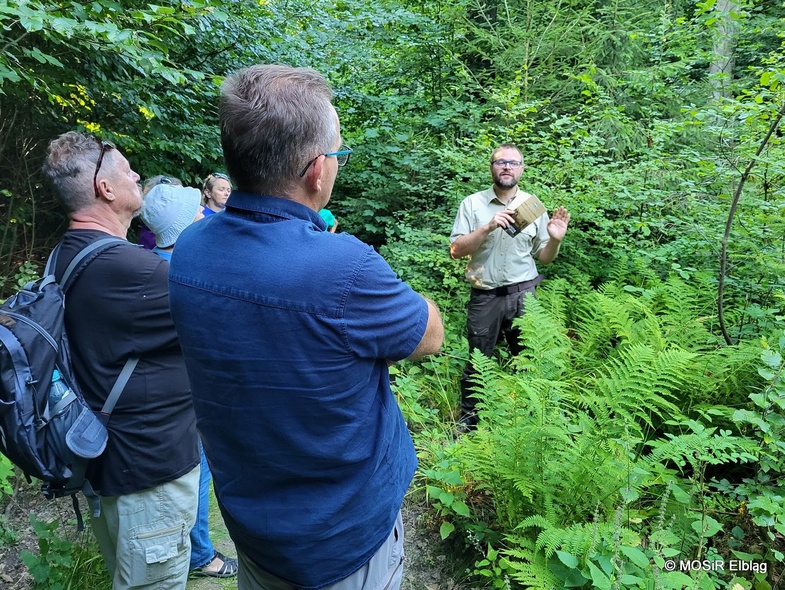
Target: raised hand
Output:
[(557, 226)]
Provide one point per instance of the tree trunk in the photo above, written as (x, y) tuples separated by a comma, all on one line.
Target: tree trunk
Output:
[(726, 35)]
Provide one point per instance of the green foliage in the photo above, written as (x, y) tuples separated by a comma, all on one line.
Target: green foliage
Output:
[(426, 390), (585, 448), (764, 493), (421, 257), (700, 447), (7, 474), (62, 563), (115, 70), (447, 498), (27, 272), (602, 555), (492, 568), (8, 536)]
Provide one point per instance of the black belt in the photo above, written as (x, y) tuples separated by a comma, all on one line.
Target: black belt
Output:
[(516, 288)]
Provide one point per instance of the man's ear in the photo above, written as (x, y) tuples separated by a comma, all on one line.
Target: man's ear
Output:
[(104, 189), (313, 178)]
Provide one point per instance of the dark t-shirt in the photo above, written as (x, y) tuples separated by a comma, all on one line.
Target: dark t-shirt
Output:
[(117, 308)]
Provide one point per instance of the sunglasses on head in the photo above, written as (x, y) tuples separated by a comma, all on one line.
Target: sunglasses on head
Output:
[(105, 147)]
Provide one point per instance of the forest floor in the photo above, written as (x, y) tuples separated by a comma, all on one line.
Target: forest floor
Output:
[(426, 565)]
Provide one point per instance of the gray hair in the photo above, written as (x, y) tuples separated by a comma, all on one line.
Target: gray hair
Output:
[(70, 168), (274, 119)]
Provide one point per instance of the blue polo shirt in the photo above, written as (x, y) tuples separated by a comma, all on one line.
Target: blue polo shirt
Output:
[(309, 452)]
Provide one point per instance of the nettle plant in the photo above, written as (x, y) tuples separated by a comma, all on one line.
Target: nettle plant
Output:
[(65, 559)]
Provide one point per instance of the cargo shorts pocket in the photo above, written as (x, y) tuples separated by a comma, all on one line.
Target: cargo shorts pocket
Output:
[(158, 552)]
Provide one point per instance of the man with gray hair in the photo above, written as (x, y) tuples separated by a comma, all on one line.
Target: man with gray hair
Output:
[(148, 476), (310, 454)]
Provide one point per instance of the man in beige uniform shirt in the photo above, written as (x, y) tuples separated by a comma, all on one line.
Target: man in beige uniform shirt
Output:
[(501, 268)]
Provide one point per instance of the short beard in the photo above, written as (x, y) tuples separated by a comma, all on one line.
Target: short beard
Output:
[(505, 184)]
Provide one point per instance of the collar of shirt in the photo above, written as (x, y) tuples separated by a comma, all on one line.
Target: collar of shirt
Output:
[(275, 207), (490, 195)]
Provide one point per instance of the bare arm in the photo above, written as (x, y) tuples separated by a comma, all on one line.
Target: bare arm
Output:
[(467, 244), (434, 333)]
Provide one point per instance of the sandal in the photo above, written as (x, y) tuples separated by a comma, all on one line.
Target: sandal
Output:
[(228, 569)]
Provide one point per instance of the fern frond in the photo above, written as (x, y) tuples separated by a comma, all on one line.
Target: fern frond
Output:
[(546, 350), (534, 521), (683, 310), (725, 376), (661, 314), (634, 387), (703, 445), (528, 567), (552, 295), (579, 539)]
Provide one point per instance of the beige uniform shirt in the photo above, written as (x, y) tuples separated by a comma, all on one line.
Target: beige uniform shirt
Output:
[(500, 260)]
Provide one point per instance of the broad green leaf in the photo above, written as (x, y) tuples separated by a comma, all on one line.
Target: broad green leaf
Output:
[(707, 527), (677, 580), (460, 508), (446, 529), (635, 555), (453, 477), (629, 494), (680, 495), (446, 498), (567, 559), (598, 578)]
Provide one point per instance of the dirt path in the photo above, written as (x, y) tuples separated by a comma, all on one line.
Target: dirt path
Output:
[(425, 567)]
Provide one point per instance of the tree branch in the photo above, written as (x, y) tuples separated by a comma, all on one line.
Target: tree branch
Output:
[(729, 223)]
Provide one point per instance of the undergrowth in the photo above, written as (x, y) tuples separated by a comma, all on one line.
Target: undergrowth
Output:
[(623, 448)]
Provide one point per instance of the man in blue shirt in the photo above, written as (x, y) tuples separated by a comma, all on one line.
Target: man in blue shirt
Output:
[(309, 451)]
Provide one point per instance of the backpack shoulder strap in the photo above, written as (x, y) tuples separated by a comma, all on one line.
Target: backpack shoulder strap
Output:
[(117, 388), (52, 260), (76, 266)]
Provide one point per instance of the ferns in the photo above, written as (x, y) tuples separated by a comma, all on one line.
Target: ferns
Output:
[(547, 350), (591, 419), (633, 388), (701, 446)]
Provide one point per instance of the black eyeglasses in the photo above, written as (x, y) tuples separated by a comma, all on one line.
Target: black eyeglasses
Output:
[(105, 147), (342, 155)]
